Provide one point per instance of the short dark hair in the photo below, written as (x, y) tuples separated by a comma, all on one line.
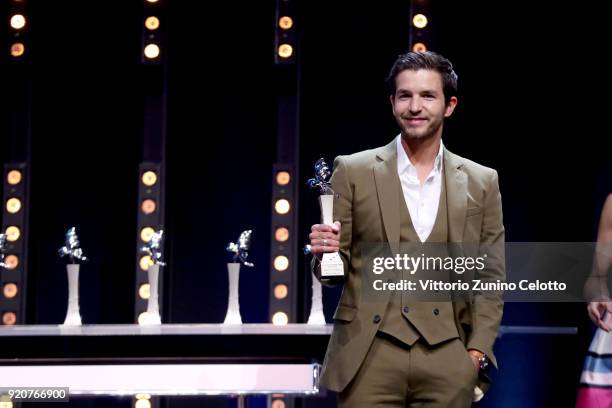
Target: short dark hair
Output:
[(425, 60)]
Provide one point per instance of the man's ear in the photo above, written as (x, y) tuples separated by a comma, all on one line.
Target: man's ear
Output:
[(450, 107), (392, 100)]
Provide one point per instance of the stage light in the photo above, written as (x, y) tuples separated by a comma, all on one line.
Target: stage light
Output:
[(12, 233), (145, 262), (9, 318), (148, 206), (10, 290), (149, 178), (152, 23), (13, 177), (285, 22), (280, 291), (280, 319), (282, 206), (13, 205), (281, 234), (149, 217), (12, 294), (419, 47), (142, 317), (285, 37), (18, 21), (142, 403), (283, 256), (146, 233), (17, 49), (281, 263), (419, 21), (144, 291), (277, 403), (151, 1), (11, 261), (5, 404), (283, 178), (143, 396), (151, 51), (285, 51)]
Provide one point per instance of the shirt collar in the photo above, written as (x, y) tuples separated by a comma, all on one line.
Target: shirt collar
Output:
[(404, 164)]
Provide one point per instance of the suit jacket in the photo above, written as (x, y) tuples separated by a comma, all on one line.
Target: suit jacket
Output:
[(367, 205)]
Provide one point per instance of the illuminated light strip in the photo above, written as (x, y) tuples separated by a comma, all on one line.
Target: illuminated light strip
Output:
[(168, 379)]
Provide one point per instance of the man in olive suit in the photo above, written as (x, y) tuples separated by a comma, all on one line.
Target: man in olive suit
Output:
[(398, 352)]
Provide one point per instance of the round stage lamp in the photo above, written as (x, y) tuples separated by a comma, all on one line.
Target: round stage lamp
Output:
[(419, 47), (13, 177), (285, 51), (149, 178), (281, 234), (280, 319), (152, 23), (142, 403), (18, 21), (12, 233), (148, 206), (145, 262), (9, 318), (151, 51), (144, 291), (285, 22), (146, 233), (277, 403), (11, 261), (419, 21), (281, 263), (17, 49), (283, 178), (282, 206), (10, 290), (280, 291), (13, 205), (142, 317)]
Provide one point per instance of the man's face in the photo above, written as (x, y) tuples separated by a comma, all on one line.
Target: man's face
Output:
[(418, 103)]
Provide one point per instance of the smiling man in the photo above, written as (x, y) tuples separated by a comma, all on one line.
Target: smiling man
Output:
[(396, 352)]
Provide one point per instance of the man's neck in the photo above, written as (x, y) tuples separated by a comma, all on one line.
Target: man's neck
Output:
[(422, 152)]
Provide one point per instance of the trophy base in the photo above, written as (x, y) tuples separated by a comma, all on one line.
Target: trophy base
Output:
[(317, 318), (233, 318), (151, 319), (73, 319), (332, 266)]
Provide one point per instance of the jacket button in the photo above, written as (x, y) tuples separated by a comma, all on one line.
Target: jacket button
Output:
[(376, 319), (436, 311), (406, 309)]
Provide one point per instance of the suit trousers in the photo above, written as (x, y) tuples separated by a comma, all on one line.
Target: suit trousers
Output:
[(394, 374)]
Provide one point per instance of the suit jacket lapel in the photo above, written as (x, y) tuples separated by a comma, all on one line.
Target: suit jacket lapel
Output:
[(388, 188), (456, 196)]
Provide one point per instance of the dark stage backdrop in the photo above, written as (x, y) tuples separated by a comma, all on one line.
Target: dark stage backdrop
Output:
[(85, 149), (221, 147), (532, 105)]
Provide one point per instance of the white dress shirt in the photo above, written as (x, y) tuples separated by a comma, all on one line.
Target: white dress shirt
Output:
[(422, 200)]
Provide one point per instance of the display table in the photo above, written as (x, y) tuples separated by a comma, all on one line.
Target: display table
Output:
[(175, 359), (171, 359)]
